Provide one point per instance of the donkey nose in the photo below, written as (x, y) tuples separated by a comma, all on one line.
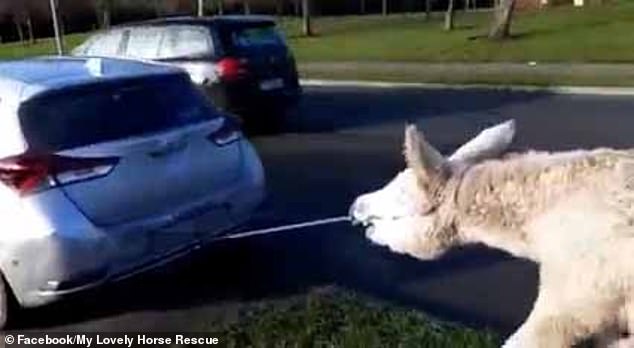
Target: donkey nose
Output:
[(357, 211)]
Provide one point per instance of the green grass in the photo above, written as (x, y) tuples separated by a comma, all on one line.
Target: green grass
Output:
[(16, 50), (483, 74), (561, 34), (341, 319), (593, 34)]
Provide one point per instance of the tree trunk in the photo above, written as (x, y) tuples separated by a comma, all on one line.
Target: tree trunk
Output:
[(384, 8), (306, 14), (158, 8), (59, 43), (29, 27), (449, 15), (362, 6), (297, 7), (427, 9), (247, 7), (221, 7), (19, 29), (279, 7), (201, 8), (501, 28), (106, 18)]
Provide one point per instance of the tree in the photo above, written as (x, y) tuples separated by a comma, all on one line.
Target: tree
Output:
[(297, 7), (384, 8), (22, 16), (362, 6), (306, 18), (59, 43), (104, 12), (247, 7), (201, 8), (158, 7), (279, 7), (501, 28), (18, 28), (221, 7), (449, 15), (427, 9), (29, 27)]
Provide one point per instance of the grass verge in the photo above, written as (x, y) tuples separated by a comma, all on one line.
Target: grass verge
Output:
[(42, 47), (342, 319), (565, 36), (560, 34), (481, 74)]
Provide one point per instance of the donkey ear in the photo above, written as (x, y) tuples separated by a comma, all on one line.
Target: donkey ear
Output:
[(490, 143), (428, 164)]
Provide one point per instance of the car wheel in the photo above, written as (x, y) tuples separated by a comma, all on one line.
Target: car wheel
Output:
[(264, 122)]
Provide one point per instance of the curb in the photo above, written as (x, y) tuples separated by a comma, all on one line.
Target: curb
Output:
[(579, 90)]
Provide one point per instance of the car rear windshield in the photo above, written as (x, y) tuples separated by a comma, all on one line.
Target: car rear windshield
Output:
[(255, 36), (105, 112)]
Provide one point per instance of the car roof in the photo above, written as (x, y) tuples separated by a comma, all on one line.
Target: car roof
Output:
[(23, 79), (190, 20)]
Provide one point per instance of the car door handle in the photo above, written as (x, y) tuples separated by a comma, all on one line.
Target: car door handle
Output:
[(169, 148)]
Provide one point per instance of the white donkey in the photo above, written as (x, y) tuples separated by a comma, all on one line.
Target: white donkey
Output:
[(571, 212)]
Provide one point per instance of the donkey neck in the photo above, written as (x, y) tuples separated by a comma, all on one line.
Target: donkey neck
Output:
[(478, 219)]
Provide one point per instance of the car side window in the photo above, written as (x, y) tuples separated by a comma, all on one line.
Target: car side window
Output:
[(144, 43), (186, 41), (106, 44)]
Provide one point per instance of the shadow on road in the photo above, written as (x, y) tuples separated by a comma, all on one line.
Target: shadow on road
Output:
[(332, 109)]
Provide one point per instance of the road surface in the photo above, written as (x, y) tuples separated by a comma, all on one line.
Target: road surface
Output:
[(347, 141)]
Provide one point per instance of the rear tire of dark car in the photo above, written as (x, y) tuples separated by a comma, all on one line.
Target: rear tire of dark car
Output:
[(265, 121)]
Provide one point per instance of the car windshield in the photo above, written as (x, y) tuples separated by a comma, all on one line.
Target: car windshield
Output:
[(243, 38), (106, 112)]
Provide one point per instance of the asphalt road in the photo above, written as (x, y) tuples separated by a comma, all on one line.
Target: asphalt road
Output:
[(345, 142)]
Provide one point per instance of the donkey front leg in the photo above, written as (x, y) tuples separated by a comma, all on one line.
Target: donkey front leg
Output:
[(623, 343), (527, 334), (554, 323), (542, 331)]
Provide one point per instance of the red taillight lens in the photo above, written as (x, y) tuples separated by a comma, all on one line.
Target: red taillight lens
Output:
[(228, 133), (23, 174), (33, 173), (231, 69)]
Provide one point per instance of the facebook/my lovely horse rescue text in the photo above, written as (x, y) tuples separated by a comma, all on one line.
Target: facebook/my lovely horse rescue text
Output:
[(570, 212)]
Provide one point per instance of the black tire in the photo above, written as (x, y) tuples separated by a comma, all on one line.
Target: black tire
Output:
[(292, 119), (265, 121)]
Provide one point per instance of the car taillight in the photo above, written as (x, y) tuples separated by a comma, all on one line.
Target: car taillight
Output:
[(228, 133), (231, 69), (30, 173)]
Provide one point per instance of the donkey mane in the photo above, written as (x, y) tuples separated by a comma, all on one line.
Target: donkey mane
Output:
[(504, 194)]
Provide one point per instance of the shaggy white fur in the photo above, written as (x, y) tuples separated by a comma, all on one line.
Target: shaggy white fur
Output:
[(572, 213)]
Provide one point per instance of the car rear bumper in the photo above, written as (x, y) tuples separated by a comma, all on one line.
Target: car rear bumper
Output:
[(44, 267), (246, 97)]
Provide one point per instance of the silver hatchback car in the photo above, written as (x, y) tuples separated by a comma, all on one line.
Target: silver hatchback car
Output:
[(107, 168)]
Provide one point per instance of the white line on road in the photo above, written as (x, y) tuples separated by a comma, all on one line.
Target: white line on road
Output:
[(582, 90), (285, 228)]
